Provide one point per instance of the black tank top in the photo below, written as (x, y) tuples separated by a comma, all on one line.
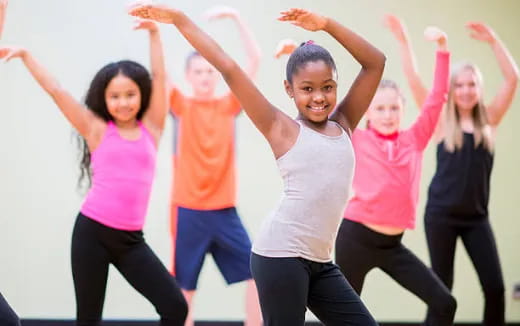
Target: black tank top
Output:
[(459, 190)]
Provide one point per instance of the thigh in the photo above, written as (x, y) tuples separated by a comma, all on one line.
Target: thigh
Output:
[(354, 259), (282, 285), (193, 241), (334, 301), (90, 261), (442, 241), (480, 244), (7, 315), (231, 247), (412, 274)]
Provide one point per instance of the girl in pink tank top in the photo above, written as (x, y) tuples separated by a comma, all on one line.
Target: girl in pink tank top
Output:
[(119, 126)]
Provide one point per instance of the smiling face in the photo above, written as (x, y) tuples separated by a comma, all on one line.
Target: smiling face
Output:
[(123, 98), (313, 88), (202, 76), (385, 111), (466, 89)]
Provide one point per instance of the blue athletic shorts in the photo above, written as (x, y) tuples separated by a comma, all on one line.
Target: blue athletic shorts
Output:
[(218, 232)]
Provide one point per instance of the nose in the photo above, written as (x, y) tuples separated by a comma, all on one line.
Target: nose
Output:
[(318, 97)]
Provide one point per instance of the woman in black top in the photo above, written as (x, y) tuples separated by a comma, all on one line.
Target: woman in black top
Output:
[(458, 196)]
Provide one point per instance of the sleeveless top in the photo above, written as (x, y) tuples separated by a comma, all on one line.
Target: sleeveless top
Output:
[(317, 174), (459, 191), (122, 174)]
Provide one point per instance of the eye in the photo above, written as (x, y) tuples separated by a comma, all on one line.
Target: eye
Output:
[(394, 108), (114, 96), (307, 89), (380, 108), (328, 88)]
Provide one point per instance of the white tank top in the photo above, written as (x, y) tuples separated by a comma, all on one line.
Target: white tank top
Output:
[(317, 174)]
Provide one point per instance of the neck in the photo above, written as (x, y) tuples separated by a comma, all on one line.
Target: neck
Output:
[(203, 96), (391, 136), (126, 124)]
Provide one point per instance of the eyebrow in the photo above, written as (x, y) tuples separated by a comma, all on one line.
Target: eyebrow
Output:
[(323, 82)]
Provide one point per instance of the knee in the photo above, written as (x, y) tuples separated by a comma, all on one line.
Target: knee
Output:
[(175, 312), (448, 305)]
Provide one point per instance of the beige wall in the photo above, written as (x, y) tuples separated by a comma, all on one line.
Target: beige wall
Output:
[(73, 38)]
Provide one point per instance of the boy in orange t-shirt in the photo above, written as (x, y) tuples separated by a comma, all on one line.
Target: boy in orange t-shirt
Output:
[(203, 213)]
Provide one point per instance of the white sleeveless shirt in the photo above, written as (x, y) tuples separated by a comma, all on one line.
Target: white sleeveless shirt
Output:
[(317, 173)]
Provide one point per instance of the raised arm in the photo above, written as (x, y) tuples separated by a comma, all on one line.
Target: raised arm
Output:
[(504, 97), (250, 44), (427, 122), (263, 114), (419, 90), (3, 9), (158, 107), (80, 118), (285, 47)]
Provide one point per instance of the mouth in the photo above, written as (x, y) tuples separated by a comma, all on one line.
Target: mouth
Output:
[(317, 109)]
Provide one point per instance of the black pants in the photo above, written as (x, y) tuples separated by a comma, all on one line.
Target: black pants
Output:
[(94, 247), (359, 249), (480, 244), (7, 315), (286, 286)]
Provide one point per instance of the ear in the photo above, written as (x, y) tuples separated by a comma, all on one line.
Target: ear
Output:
[(288, 88)]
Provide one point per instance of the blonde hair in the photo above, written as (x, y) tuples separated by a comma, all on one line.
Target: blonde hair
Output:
[(453, 135)]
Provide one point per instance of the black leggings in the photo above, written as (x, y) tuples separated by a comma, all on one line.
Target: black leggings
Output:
[(94, 247), (359, 249), (286, 286), (480, 244), (7, 315)]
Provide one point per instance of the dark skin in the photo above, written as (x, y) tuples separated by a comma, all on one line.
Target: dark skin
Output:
[(280, 130)]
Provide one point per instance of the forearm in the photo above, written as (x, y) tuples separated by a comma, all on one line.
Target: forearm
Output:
[(505, 60), (441, 74), (41, 75), (2, 17), (251, 47), (363, 52), (157, 62), (419, 91)]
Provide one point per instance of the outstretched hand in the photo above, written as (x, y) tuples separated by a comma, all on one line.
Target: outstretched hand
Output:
[(156, 12), (304, 19), (395, 26), (220, 12), (435, 34), (481, 32), (149, 25), (9, 52), (285, 46)]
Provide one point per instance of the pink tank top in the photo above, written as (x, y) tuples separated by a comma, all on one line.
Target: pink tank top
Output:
[(122, 175)]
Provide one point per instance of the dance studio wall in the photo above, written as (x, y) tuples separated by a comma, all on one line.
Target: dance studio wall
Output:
[(73, 38)]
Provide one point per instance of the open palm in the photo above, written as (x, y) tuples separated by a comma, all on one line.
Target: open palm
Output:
[(481, 32), (304, 19), (158, 13)]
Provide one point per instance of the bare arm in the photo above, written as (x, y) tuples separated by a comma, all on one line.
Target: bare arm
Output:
[(251, 46), (158, 107), (262, 113), (80, 118), (352, 108), (3, 9), (504, 97), (419, 90)]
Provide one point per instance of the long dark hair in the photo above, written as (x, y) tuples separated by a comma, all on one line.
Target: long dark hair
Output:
[(95, 101)]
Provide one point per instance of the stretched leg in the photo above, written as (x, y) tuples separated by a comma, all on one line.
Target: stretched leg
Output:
[(283, 285), (404, 267), (354, 258), (7, 315), (90, 261), (145, 272), (442, 241), (333, 300), (194, 236), (480, 244), (231, 250)]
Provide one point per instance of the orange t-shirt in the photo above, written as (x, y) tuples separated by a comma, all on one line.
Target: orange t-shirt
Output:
[(204, 154)]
